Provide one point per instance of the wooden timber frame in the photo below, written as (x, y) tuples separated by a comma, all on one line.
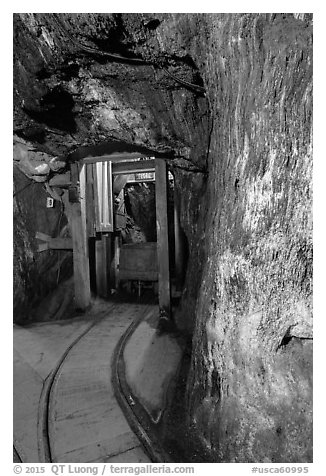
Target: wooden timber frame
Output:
[(163, 256), (82, 229), (77, 221)]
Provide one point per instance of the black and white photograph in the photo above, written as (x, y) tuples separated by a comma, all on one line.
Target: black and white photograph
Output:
[(162, 241)]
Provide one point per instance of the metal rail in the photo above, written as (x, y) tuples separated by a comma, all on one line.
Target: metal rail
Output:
[(136, 416)]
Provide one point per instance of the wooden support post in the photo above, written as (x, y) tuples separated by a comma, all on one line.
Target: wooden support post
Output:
[(77, 220), (162, 236), (90, 205), (103, 196), (95, 190), (133, 167), (103, 260), (116, 157), (178, 243)]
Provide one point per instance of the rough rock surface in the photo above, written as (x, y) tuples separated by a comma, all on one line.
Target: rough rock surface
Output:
[(250, 384), (229, 97), (140, 205), (36, 274)]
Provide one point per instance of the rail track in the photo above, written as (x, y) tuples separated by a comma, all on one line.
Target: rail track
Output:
[(83, 387), (44, 418), (137, 417), (87, 353)]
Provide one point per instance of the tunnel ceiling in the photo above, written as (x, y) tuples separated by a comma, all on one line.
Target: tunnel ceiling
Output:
[(85, 80)]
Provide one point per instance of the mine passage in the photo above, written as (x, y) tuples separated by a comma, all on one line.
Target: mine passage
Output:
[(163, 237)]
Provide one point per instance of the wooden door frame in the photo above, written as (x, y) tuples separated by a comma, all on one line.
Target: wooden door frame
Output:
[(162, 227), (77, 220), (78, 224)]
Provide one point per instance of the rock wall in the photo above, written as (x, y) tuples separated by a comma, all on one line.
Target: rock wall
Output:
[(36, 274), (250, 384), (140, 205)]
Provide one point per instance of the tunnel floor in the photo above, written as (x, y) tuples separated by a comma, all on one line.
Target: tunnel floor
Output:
[(64, 404)]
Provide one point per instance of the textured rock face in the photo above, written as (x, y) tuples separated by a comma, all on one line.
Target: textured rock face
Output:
[(250, 387), (140, 205), (35, 274), (243, 171)]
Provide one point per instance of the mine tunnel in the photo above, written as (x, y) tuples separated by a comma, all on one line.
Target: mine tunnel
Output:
[(123, 215), (162, 237)]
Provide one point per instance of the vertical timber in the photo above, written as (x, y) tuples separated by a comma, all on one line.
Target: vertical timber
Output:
[(90, 202), (80, 241), (95, 191), (161, 178), (178, 243), (103, 260)]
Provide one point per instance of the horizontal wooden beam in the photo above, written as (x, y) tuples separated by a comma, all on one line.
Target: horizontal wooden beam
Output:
[(60, 180), (60, 244), (117, 157), (162, 225), (50, 243), (134, 167), (141, 180)]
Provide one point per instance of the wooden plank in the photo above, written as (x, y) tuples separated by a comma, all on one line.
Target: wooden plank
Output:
[(134, 180), (53, 243), (90, 202), (109, 197), (42, 247), (162, 236), (103, 259), (42, 344), (42, 236), (117, 157), (80, 245), (104, 197), (134, 167), (60, 180), (100, 450), (95, 189), (60, 244), (82, 196)]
